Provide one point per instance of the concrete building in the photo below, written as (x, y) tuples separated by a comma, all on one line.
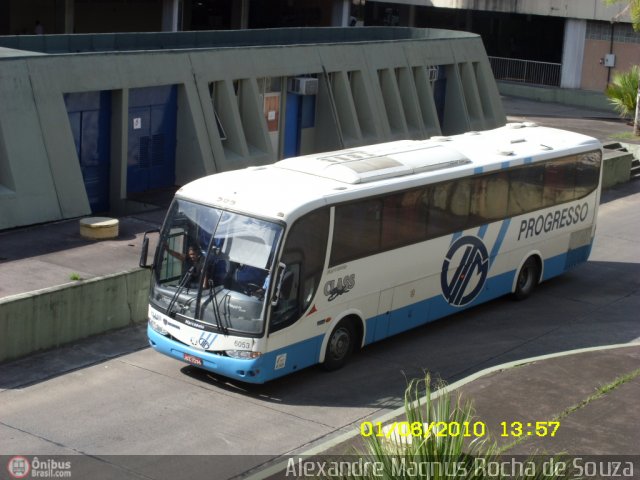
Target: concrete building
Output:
[(559, 43), (95, 123)]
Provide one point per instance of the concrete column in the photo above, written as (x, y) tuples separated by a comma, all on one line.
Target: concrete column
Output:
[(119, 145), (170, 15), (573, 53), (340, 13), (69, 16), (244, 14), (411, 21)]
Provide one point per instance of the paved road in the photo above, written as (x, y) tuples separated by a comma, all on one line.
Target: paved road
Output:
[(119, 398)]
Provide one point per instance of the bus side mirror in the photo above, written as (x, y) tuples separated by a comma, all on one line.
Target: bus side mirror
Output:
[(145, 249), (282, 268)]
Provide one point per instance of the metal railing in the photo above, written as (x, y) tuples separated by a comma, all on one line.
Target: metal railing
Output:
[(527, 71)]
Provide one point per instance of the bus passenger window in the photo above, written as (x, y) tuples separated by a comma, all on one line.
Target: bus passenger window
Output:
[(559, 181), (525, 189), (587, 173), (449, 210), (403, 219), (356, 231), (489, 198)]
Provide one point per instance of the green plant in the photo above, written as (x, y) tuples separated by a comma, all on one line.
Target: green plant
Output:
[(408, 457), (75, 277), (623, 90)]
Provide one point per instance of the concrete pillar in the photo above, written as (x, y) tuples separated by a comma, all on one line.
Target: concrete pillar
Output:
[(244, 14), (69, 16), (170, 15), (411, 21), (573, 52), (340, 13), (119, 145)]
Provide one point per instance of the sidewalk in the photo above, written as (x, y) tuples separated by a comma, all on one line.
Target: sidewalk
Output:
[(48, 255)]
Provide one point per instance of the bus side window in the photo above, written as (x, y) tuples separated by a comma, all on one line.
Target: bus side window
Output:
[(304, 254), (587, 173), (525, 189), (288, 308), (449, 209), (356, 231), (489, 197), (559, 181), (403, 219)]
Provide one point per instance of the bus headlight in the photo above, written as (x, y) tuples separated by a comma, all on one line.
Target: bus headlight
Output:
[(157, 325), (242, 354)]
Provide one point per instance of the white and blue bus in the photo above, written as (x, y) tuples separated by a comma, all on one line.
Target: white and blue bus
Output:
[(264, 271)]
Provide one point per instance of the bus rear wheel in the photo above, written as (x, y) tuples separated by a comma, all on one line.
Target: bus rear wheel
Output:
[(340, 346), (527, 279)]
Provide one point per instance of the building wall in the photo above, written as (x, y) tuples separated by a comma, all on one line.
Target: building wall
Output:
[(601, 39), (374, 86), (584, 9)]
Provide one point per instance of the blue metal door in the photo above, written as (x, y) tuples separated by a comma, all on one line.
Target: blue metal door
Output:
[(291, 146), (89, 116), (152, 138), (300, 114)]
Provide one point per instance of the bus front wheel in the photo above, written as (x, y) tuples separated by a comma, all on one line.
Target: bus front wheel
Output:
[(340, 345), (527, 279)]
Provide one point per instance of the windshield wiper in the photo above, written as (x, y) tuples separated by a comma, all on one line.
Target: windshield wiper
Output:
[(183, 282), (216, 311)]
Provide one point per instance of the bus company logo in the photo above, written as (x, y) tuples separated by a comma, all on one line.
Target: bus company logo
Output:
[(204, 341), (464, 271), (18, 467), (335, 288)]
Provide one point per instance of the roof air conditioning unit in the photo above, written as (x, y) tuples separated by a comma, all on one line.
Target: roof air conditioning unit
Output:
[(303, 85)]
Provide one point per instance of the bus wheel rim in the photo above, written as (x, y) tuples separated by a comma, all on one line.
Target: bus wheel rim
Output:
[(340, 342)]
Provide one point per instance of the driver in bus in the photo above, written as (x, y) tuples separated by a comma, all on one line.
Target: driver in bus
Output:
[(193, 264)]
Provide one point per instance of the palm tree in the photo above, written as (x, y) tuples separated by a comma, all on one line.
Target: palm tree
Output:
[(623, 93), (633, 7)]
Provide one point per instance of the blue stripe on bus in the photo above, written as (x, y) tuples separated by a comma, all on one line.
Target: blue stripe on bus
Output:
[(504, 165), (455, 236), (528, 160), (501, 234), (483, 230), (477, 170)]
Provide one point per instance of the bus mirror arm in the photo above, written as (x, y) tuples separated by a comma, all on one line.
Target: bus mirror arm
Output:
[(282, 268), (145, 249)]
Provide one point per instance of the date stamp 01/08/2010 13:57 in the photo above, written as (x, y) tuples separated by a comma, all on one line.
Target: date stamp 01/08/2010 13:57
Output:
[(478, 429)]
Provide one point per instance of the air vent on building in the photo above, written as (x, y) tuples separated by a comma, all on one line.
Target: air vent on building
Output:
[(303, 85)]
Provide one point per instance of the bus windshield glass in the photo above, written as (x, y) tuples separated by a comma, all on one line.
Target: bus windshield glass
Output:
[(213, 268)]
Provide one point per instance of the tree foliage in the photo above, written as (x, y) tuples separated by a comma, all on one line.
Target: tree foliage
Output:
[(623, 90), (633, 7)]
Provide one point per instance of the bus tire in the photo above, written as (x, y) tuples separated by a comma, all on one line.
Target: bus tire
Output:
[(340, 345), (528, 277)]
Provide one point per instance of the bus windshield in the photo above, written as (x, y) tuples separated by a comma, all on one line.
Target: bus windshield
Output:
[(213, 267)]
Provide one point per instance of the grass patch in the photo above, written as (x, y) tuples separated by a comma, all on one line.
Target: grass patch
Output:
[(75, 277), (625, 136)]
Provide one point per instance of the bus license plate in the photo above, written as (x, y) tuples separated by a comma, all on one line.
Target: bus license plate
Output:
[(192, 360)]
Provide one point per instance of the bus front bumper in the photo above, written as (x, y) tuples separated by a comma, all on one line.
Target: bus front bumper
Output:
[(248, 370)]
